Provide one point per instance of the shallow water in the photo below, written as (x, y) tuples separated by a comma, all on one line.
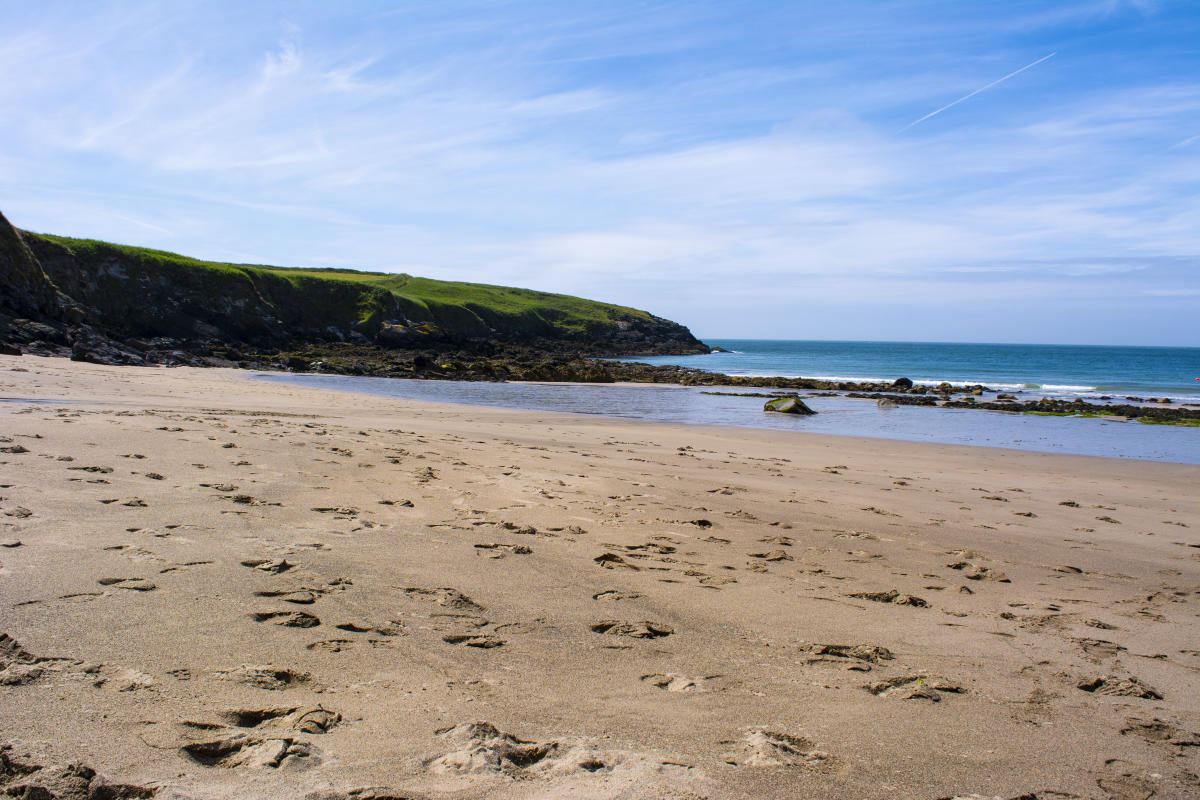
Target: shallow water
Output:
[(836, 415)]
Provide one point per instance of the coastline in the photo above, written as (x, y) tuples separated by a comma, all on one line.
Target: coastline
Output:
[(839, 413), (740, 661), (1089, 372)]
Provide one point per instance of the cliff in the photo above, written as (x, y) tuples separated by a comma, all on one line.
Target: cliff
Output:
[(123, 304)]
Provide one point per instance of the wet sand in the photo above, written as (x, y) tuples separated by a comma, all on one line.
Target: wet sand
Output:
[(213, 587)]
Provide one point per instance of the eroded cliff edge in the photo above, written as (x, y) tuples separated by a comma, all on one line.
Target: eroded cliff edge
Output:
[(112, 303)]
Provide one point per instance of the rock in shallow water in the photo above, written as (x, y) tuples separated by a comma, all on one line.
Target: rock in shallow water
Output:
[(788, 405)]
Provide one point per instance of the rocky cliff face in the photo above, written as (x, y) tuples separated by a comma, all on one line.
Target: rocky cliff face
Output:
[(126, 305), (30, 307), (24, 288)]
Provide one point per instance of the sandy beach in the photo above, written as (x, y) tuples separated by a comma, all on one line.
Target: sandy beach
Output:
[(214, 587)]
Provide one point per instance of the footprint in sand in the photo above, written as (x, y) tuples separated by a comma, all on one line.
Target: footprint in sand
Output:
[(264, 676), (23, 778), (444, 596), (616, 594), (271, 565), (614, 561), (133, 584), (676, 682), (298, 596), (317, 720), (383, 628), (978, 572), (288, 619), (18, 667), (649, 547), (483, 641), (338, 512), (249, 750), (772, 555), (332, 645), (183, 565), (1119, 687), (857, 657), (892, 596), (1125, 780), (497, 550), (761, 747), (1099, 649), (1157, 731), (644, 629), (914, 687), (480, 748)]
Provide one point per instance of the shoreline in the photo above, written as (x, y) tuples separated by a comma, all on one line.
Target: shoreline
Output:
[(840, 414), (228, 588), (524, 364)]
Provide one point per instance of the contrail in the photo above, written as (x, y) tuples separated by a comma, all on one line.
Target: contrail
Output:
[(1188, 141), (977, 91)]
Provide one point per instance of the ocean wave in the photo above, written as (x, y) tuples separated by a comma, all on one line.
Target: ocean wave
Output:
[(1066, 387)]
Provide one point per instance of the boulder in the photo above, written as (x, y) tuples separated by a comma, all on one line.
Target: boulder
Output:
[(885, 402), (788, 405), (87, 344), (902, 383)]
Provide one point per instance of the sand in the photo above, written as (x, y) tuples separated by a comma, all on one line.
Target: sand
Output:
[(215, 587)]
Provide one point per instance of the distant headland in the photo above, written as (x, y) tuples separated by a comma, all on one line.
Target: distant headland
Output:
[(115, 304)]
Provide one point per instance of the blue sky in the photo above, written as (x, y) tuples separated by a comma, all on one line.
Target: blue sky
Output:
[(940, 171)]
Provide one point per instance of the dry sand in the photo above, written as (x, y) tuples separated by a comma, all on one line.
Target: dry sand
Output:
[(213, 587)]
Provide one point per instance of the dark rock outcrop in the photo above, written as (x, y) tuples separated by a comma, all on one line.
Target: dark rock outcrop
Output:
[(31, 315), (788, 405), (25, 291)]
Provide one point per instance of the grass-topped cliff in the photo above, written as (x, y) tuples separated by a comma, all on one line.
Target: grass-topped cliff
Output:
[(133, 293)]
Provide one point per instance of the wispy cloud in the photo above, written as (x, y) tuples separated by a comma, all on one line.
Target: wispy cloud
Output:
[(1182, 292)]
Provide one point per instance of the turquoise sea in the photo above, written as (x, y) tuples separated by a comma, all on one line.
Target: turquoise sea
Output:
[(1039, 369)]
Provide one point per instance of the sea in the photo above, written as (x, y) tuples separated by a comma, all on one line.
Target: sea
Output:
[(1028, 371), (1054, 370)]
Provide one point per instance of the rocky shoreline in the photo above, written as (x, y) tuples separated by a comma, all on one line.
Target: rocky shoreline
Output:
[(528, 363), (554, 361)]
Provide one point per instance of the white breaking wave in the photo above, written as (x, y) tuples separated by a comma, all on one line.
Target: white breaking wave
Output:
[(1056, 387)]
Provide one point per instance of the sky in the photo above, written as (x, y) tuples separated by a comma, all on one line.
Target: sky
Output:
[(919, 171)]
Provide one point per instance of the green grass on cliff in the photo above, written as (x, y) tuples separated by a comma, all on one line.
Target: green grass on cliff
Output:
[(344, 288)]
